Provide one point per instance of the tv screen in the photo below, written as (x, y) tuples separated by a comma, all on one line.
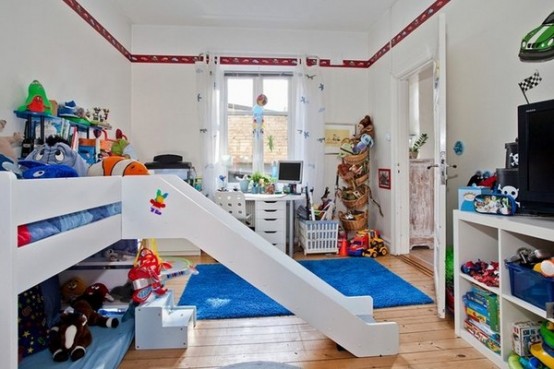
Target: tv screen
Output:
[(290, 171), (536, 154)]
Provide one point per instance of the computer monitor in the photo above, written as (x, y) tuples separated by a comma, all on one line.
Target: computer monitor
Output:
[(290, 172)]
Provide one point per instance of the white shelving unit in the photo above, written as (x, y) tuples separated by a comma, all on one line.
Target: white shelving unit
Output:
[(495, 238)]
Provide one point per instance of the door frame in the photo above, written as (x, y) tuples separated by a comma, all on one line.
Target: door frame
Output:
[(400, 158)]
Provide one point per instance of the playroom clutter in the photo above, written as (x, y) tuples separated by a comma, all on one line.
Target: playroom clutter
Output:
[(366, 242), (68, 120)]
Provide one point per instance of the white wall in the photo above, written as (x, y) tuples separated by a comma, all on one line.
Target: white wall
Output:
[(47, 41), (483, 70), (164, 98)]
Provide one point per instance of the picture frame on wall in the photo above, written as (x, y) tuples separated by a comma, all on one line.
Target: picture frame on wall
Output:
[(383, 177), (335, 133)]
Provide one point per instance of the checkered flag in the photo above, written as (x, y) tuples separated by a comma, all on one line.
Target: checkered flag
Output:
[(530, 82)]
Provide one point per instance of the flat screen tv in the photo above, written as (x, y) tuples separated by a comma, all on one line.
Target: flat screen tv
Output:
[(290, 171), (536, 158)]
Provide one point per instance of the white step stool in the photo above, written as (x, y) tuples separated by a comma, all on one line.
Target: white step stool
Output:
[(159, 324)]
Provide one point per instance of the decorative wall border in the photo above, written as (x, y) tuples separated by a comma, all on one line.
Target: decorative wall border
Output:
[(237, 60)]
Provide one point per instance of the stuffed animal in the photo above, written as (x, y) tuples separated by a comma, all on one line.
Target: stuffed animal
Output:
[(117, 166), (366, 126), (91, 301), (56, 150), (73, 288), (6, 142), (36, 100), (122, 147), (70, 337), (35, 170)]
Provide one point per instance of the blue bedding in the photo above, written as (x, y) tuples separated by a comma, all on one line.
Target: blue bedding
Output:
[(108, 347), (36, 231)]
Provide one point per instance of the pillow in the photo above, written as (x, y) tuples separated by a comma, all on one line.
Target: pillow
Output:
[(32, 322)]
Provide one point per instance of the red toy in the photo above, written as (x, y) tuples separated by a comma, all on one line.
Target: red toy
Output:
[(146, 275)]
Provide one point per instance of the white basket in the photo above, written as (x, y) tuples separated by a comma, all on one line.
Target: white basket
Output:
[(318, 236)]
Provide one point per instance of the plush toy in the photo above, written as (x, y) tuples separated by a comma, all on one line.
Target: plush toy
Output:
[(365, 141), (122, 147), (366, 126), (117, 166), (73, 288), (56, 150), (36, 100), (6, 142), (35, 170), (70, 337), (123, 293)]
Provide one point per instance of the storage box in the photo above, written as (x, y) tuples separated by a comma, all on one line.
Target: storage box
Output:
[(467, 194), (530, 286), (318, 236), (523, 335)]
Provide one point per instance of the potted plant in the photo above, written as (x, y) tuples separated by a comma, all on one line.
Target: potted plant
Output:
[(260, 181), (417, 144)]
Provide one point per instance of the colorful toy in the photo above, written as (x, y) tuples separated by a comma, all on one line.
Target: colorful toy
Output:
[(365, 142), (122, 147), (376, 244), (117, 166), (57, 151), (36, 101), (146, 272)]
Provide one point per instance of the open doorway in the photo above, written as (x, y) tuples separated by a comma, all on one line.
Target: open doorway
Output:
[(421, 173)]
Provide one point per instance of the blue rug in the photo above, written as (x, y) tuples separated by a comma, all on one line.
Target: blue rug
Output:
[(219, 293)]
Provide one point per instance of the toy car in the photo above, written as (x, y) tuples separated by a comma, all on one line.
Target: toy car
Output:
[(538, 45)]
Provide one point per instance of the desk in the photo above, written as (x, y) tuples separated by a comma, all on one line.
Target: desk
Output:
[(270, 217)]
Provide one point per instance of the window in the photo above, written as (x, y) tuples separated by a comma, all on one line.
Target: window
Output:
[(241, 92)]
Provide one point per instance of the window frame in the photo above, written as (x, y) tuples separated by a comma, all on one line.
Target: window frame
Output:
[(258, 76)]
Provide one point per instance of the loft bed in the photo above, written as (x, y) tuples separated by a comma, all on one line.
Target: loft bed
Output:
[(26, 264), (189, 214)]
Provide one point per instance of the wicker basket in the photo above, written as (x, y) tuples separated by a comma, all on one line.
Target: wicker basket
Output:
[(356, 158), (361, 179), (359, 221), (356, 203)]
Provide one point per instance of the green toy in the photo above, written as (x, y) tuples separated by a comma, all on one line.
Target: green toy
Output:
[(37, 101)]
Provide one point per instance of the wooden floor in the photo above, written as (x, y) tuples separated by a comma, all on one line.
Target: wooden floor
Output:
[(426, 342)]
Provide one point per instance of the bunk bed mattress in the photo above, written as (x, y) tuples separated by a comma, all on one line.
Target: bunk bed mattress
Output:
[(108, 347)]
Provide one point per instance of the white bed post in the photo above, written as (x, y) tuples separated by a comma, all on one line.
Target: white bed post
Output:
[(8, 241)]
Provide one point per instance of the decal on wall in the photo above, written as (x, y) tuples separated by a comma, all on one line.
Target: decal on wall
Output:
[(538, 44), (191, 59), (158, 202), (529, 82), (458, 148)]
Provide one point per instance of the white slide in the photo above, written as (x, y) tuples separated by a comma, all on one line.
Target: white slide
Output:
[(187, 213)]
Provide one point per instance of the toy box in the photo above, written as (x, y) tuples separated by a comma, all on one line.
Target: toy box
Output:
[(523, 335), (530, 286), (466, 195)]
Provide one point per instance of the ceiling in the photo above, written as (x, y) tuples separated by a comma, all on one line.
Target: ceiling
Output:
[(308, 15)]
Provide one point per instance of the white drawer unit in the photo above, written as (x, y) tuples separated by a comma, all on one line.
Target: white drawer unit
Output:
[(271, 222)]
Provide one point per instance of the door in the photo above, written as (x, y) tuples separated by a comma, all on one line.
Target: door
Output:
[(401, 223), (440, 167)]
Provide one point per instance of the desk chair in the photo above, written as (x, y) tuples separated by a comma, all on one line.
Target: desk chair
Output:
[(235, 204)]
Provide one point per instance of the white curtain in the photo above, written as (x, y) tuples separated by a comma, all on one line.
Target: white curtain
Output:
[(307, 133), (310, 124), (209, 80)]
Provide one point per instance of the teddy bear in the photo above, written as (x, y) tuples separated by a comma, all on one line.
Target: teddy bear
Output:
[(366, 126), (7, 153), (70, 337), (73, 288)]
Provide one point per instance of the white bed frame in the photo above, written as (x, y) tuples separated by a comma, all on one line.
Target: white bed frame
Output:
[(188, 214)]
